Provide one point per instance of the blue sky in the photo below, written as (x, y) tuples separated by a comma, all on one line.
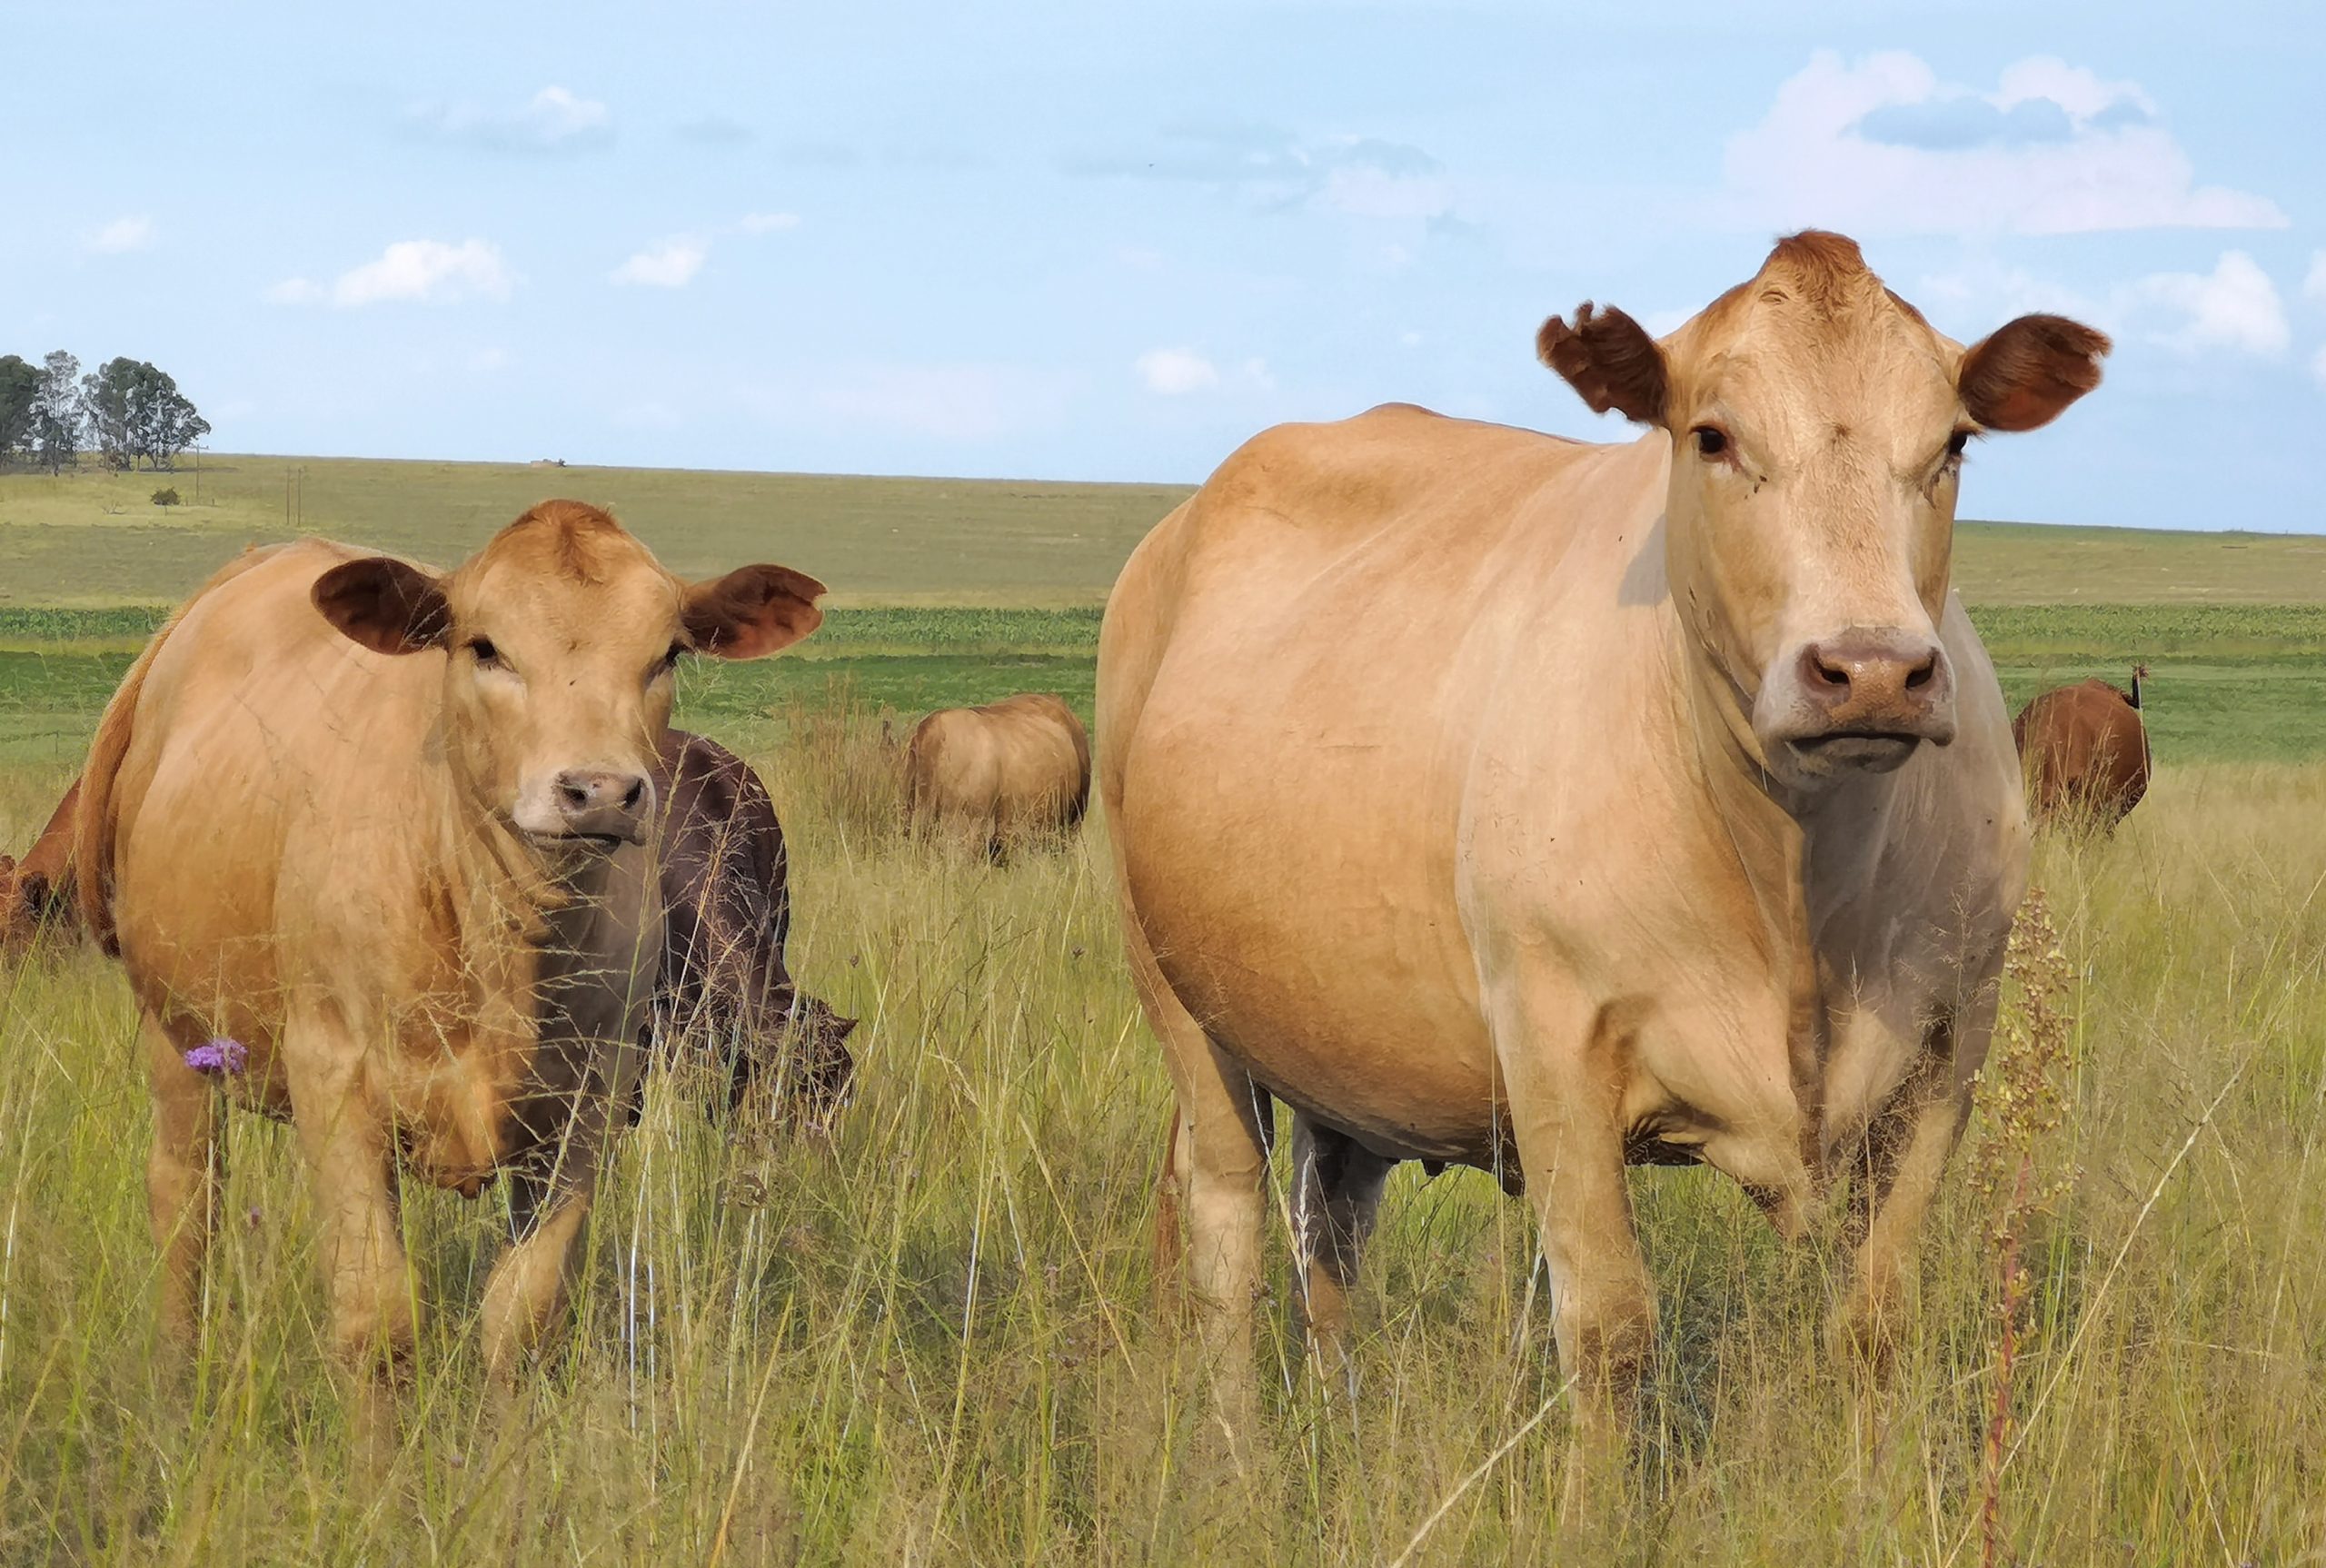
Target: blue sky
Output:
[(1111, 242)]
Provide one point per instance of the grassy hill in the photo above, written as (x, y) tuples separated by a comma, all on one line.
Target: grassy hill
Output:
[(96, 539)]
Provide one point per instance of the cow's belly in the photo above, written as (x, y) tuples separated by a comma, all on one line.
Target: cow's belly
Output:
[(1300, 904)]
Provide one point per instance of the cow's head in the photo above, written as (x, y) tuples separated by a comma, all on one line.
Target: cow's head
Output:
[(1818, 426), (561, 638)]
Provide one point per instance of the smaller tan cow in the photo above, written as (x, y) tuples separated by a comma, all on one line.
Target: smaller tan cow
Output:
[(1008, 770), (374, 844)]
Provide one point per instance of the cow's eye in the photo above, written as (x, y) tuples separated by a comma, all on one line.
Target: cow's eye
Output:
[(1957, 442), (482, 650), (1710, 442), (671, 660)]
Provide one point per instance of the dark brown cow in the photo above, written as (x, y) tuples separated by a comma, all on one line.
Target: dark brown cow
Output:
[(726, 914), (36, 892), (2085, 750)]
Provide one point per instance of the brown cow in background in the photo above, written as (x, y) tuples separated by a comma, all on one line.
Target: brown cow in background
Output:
[(2085, 749), (726, 916), (1009, 768), (36, 892)]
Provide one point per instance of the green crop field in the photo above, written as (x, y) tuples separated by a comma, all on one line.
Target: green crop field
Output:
[(934, 1337)]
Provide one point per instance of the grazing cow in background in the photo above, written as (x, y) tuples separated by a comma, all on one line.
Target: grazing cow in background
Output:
[(1499, 799), (36, 892), (726, 916), (1007, 770), (2085, 750), (371, 842)]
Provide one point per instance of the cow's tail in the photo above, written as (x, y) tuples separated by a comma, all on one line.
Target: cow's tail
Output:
[(92, 829)]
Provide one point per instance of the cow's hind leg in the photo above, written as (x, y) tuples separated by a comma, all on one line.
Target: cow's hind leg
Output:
[(1337, 1192), (183, 1174), (1219, 1160)]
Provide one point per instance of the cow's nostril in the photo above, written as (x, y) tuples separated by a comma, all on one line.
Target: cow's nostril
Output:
[(1921, 675), (637, 793), (575, 795)]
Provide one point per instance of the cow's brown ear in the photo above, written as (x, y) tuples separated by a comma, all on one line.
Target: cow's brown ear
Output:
[(389, 606), (2024, 373), (1610, 359), (753, 611)]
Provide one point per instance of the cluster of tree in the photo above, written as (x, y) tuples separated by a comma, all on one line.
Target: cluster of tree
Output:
[(50, 413)]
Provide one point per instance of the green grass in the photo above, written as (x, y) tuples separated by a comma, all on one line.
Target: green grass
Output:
[(933, 1340), (2239, 682)]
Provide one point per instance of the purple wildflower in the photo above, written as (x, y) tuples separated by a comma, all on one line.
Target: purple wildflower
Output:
[(220, 1057)]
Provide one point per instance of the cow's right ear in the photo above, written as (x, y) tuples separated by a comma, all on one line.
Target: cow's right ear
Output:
[(389, 606), (1610, 359)]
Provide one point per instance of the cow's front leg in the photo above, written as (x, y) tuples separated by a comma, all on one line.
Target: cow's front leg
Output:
[(551, 1189), (1907, 1144), (374, 1319), (1562, 1062)]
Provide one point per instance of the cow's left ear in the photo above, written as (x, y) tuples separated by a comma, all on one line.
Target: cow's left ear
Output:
[(2025, 372), (753, 611), (389, 606)]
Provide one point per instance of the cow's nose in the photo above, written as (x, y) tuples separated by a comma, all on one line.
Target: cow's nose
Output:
[(1870, 682), (600, 803)]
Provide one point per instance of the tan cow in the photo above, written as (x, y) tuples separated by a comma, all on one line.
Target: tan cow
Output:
[(36, 893), (1003, 771), (1543, 806), (383, 829)]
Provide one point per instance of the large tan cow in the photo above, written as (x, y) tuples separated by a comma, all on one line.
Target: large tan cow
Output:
[(383, 829), (1013, 768), (1500, 799)]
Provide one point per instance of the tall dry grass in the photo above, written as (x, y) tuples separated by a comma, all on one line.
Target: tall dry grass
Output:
[(931, 1340)]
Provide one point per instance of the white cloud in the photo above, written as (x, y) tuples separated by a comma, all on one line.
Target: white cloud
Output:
[(1174, 372), (672, 265), (554, 120), (2235, 307), (126, 234), (1884, 146), (427, 270)]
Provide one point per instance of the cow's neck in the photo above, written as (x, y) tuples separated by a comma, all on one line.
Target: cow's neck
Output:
[(1805, 854), (519, 914)]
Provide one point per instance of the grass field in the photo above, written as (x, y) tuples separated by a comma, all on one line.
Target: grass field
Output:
[(933, 1339)]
